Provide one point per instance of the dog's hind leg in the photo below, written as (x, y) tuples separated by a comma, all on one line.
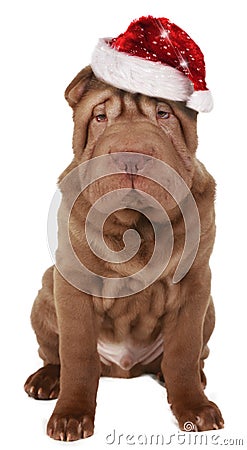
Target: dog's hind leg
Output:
[(44, 384), (208, 328)]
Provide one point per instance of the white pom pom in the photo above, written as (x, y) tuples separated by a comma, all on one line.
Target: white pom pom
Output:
[(201, 101)]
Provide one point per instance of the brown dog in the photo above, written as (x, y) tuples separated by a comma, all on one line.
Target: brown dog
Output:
[(163, 328)]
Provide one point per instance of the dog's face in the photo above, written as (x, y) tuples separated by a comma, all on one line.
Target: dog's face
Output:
[(109, 121)]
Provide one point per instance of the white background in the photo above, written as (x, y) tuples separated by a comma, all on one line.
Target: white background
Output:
[(44, 44)]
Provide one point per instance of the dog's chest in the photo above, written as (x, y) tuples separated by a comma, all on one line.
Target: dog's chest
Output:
[(126, 354), (130, 331)]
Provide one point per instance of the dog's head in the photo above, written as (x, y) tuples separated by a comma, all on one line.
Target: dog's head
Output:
[(109, 121)]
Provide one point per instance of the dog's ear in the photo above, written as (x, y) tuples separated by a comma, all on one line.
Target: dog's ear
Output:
[(188, 122), (76, 88)]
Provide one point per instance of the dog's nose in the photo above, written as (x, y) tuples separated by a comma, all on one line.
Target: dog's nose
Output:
[(130, 162)]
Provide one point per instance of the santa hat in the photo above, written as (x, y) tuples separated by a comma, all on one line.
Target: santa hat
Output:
[(156, 58)]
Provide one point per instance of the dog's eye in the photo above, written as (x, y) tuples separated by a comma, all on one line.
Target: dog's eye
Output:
[(163, 114), (101, 118)]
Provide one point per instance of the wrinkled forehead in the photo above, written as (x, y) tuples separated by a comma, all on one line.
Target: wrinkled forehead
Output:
[(99, 93)]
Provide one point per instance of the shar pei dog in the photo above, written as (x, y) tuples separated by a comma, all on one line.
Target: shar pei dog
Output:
[(86, 330)]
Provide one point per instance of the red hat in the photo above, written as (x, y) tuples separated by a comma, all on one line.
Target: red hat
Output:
[(156, 58)]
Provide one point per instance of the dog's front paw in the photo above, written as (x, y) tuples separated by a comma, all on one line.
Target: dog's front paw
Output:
[(201, 418), (70, 427)]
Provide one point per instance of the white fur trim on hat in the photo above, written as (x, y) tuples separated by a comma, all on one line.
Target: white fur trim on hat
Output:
[(135, 74), (201, 101)]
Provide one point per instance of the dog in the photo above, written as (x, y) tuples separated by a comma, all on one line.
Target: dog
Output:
[(162, 329)]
